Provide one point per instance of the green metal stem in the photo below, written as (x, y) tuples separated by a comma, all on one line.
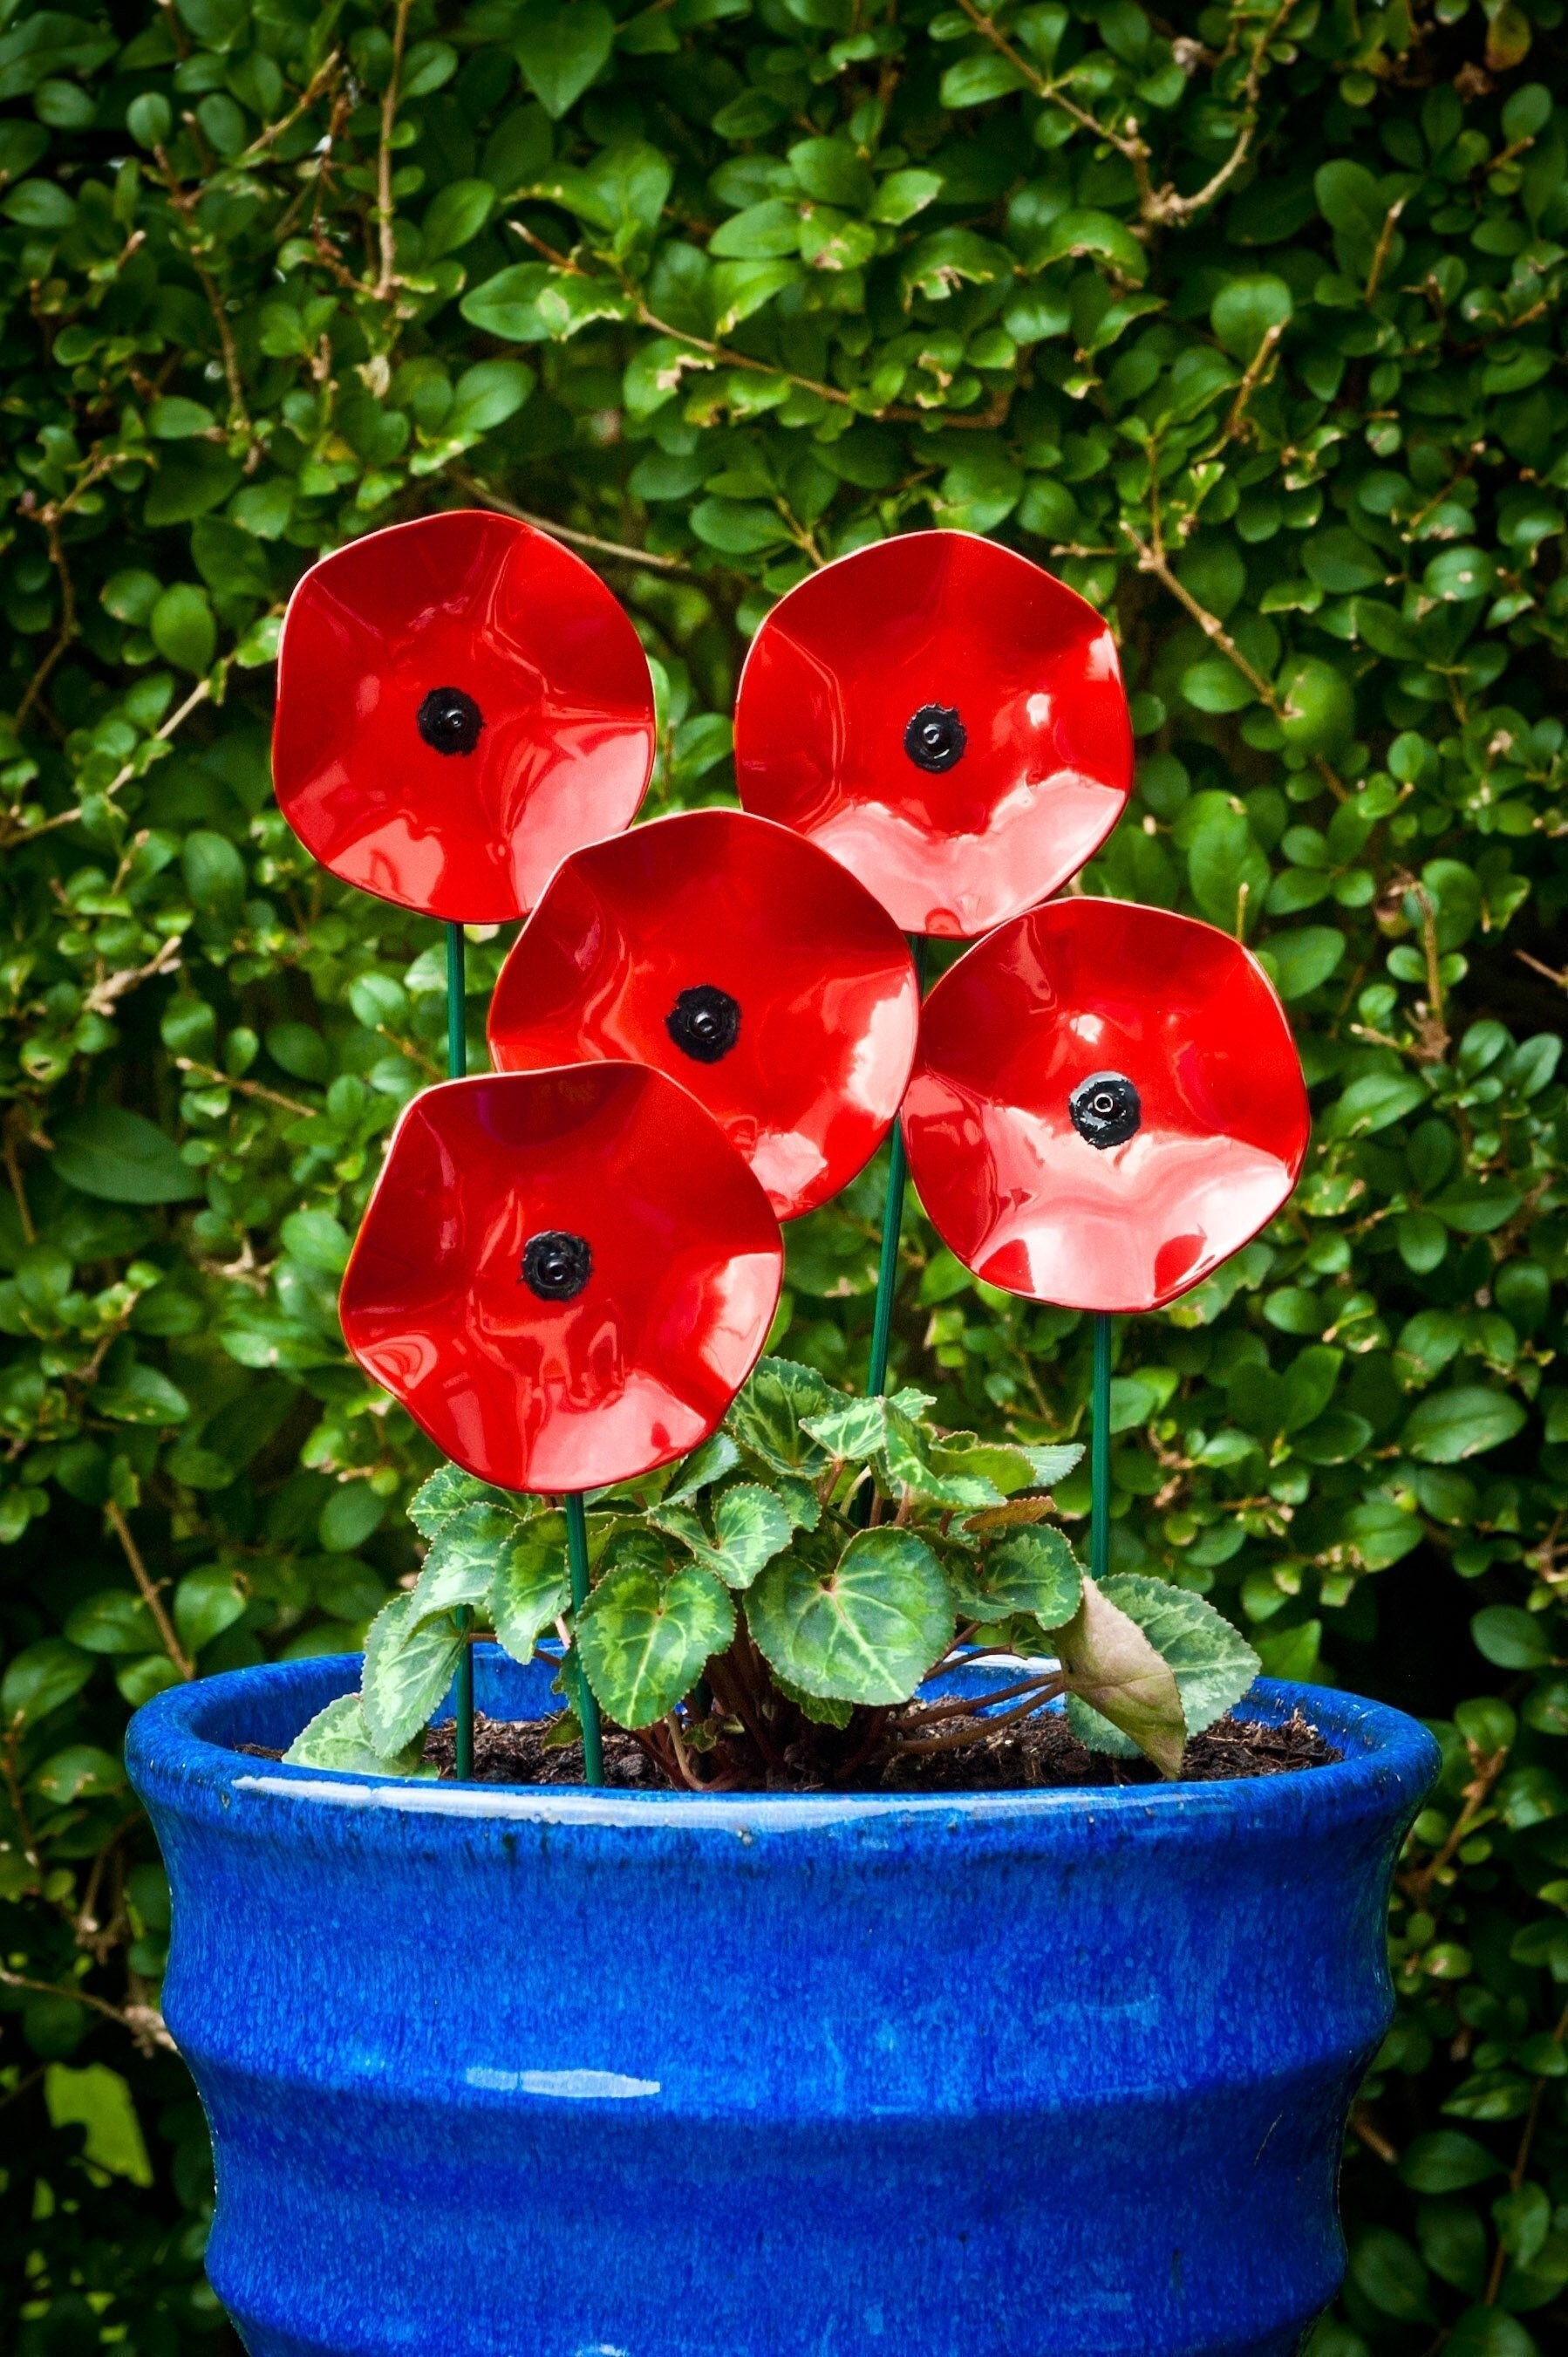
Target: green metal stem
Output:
[(456, 1028), (888, 1264), (577, 1564), (1099, 1452), (456, 1067), (892, 1228)]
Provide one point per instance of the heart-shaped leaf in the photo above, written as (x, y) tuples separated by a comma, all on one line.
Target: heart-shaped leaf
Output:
[(964, 1456), (644, 1638), (1054, 1461), (851, 1429), (1115, 1670), (1031, 1570), (408, 1669), (750, 1527), (462, 1561), (446, 1492), (717, 1456), (1211, 1662), (771, 1415), (532, 1585), (908, 1461), (338, 1737), (865, 1629)]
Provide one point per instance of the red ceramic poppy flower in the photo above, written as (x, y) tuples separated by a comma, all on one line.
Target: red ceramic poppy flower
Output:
[(564, 1276), (943, 717), (743, 962), (460, 703), (1106, 1103)]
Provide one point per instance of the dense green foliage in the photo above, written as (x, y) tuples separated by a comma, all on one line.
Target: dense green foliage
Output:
[(1248, 325)]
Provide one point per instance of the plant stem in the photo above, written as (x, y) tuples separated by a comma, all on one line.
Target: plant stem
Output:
[(892, 1227), (588, 1709), (1099, 1452), (149, 1589), (457, 1034), (456, 1069), (888, 1264), (616, 548), (385, 217)]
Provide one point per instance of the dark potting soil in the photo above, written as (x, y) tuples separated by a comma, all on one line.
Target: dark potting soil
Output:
[(1044, 1754)]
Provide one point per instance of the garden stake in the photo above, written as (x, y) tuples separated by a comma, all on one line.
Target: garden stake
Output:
[(587, 1708), (456, 986), (892, 1226), (456, 1069), (1099, 1452)]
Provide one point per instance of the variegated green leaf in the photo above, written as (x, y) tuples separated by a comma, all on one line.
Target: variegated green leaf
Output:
[(462, 1560), (865, 1629), (408, 1668), (771, 1415), (340, 1736), (1031, 1571), (532, 1585), (447, 1492), (644, 1639), (1212, 1662), (750, 1527), (1118, 1673)]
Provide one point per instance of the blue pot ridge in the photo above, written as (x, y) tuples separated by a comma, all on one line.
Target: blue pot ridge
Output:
[(539, 2071)]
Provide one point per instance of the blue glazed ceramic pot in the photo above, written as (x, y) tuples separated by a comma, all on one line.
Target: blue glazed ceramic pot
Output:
[(529, 2072)]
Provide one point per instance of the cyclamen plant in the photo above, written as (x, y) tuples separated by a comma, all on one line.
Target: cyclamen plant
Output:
[(746, 1626), (570, 1266)]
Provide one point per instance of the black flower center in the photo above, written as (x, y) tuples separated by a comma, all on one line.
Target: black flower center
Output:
[(935, 737), (1105, 1109), (705, 1023), (556, 1264), (450, 721)]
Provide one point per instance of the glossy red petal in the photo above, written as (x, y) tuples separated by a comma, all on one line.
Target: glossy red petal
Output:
[(564, 1276), (1099, 989), (743, 962), (1021, 753), (470, 825)]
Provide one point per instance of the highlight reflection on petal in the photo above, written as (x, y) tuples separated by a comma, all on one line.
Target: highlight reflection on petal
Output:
[(638, 1364), (1079, 988), (808, 981), (844, 662), (488, 605)]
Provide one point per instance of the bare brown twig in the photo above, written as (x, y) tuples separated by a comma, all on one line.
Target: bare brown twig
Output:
[(49, 519), (103, 994), (1153, 559), (617, 549), (221, 1080), (144, 2022), (1164, 205), (1381, 251), (1433, 1047), (386, 221), (13, 1783), (127, 771), (185, 205), (1417, 1885), (325, 74), (1521, 2162), (1258, 368), (14, 1172), (149, 1592), (1550, 972)]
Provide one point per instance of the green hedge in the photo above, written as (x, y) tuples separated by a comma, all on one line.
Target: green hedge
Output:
[(1245, 324)]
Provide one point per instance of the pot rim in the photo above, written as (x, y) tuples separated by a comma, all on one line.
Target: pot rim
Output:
[(168, 1749)]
